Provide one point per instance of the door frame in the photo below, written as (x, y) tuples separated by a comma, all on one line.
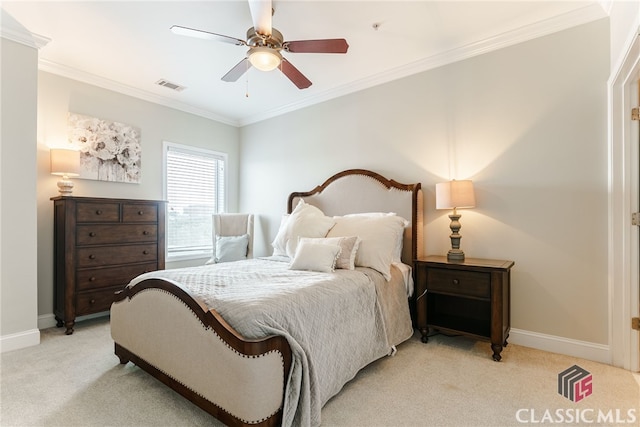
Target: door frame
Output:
[(624, 186)]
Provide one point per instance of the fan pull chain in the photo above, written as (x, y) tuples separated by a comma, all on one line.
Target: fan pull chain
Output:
[(246, 95)]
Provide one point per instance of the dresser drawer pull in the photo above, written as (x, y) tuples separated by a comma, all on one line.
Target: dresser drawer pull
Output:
[(99, 212), (92, 234), (140, 212), (145, 252), (145, 232), (92, 256), (92, 279), (92, 301), (456, 281)]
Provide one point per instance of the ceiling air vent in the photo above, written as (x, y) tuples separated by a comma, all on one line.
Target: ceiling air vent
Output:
[(170, 85)]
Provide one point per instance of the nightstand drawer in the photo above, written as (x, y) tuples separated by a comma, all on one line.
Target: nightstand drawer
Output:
[(466, 283)]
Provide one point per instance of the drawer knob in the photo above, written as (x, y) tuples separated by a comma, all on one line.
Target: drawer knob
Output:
[(145, 232), (92, 279), (92, 256), (140, 212), (92, 301), (99, 212), (456, 281), (145, 252), (92, 234)]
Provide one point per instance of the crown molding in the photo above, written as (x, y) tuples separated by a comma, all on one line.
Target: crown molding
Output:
[(24, 37), (562, 22), (565, 21), (92, 79)]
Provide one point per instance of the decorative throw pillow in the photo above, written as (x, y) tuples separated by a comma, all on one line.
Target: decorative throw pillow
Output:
[(231, 248), (305, 221), (315, 257), (379, 239), (348, 249)]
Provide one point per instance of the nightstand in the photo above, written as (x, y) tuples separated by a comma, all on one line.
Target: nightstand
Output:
[(470, 297)]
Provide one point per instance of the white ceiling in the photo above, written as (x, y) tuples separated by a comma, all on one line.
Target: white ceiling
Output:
[(127, 46)]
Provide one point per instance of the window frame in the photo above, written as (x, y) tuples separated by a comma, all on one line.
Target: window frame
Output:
[(166, 147)]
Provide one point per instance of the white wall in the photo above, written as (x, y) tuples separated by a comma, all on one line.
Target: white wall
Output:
[(56, 97), (527, 123), (18, 285)]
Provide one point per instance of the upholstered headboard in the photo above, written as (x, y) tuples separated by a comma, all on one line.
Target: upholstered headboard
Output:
[(360, 191)]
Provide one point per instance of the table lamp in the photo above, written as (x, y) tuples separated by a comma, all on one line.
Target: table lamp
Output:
[(65, 163), (455, 195)]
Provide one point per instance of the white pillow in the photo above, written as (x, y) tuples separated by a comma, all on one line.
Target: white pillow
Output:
[(348, 249), (278, 248), (379, 239), (397, 253), (315, 257), (231, 248), (305, 221)]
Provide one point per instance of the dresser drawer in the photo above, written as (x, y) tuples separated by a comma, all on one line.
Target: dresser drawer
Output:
[(97, 212), (112, 255), (466, 283), (139, 213), (111, 276), (96, 234), (94, 302)]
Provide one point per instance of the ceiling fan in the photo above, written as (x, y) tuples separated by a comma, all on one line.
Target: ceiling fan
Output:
[(265, 44)]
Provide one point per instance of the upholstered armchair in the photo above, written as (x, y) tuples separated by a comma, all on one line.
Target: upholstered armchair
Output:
[(232, 237)]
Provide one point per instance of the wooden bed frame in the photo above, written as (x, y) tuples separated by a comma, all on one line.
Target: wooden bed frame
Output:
[(193, 350)]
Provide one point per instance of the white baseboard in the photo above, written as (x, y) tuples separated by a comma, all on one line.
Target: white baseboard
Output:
[(567, 346), (19, 340), (570, 347), (46, 321)]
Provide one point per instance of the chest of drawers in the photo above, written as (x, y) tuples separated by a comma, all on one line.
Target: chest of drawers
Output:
[(99, 246)]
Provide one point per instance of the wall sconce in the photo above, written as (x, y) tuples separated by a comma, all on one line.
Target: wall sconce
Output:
[(455, 195), (65, 163)]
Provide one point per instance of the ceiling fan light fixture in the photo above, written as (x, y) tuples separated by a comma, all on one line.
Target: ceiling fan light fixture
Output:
[(264, 58)]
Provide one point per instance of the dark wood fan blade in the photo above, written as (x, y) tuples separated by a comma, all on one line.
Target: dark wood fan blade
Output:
[(294, 74), (317, 46), (238, 70), (191, 32), (261, 12)]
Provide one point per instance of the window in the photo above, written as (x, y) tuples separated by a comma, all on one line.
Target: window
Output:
[(194, 190)]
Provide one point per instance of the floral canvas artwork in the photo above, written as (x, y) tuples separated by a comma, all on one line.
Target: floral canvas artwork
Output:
[(109, 151)]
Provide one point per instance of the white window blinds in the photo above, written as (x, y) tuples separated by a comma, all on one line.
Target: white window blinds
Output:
[(194, 190)]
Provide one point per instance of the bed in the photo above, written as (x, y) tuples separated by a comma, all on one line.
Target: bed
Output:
[(269, 341)]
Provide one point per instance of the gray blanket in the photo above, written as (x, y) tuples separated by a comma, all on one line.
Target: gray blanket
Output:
[(336, 323)]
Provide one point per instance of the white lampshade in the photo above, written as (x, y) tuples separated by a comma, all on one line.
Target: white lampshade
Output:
[(65, 163), (455, 194), (264, 58)]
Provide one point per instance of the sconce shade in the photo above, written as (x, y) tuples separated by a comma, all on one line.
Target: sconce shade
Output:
[(264, 58), (455, 194), (65, 162)]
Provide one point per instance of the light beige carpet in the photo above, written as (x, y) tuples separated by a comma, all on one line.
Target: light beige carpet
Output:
[(77, 381)]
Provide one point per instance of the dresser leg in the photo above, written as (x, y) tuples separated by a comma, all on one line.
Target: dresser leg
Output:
[(69, 326), (497, 349), (59, 322), (425, 335)]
